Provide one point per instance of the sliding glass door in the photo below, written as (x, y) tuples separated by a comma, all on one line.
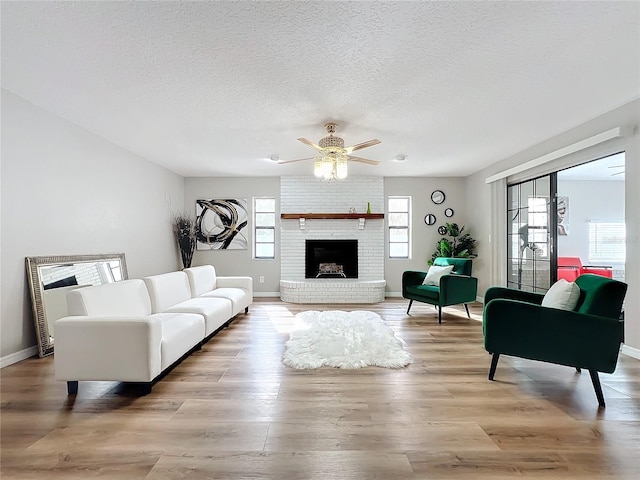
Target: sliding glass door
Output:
[(531, 234)]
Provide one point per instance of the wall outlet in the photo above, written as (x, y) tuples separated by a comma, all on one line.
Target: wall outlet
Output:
[(261, 279)]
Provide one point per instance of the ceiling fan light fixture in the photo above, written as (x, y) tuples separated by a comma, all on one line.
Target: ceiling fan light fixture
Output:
[(317, 167), (341, 167), (400, 157)]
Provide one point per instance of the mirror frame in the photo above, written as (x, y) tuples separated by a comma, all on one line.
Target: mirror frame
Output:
[(45, 346), (438, 197)]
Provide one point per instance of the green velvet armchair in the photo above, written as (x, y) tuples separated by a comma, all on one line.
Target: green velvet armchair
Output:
[(516, 324), (454, 289)]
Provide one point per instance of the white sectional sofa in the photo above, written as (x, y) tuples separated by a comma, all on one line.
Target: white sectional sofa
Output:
[(135, 330)]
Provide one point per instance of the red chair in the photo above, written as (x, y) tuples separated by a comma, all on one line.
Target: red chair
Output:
[(571, 268)]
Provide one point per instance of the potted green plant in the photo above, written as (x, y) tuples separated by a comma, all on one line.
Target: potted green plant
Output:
[(184, 228), (455, 244)]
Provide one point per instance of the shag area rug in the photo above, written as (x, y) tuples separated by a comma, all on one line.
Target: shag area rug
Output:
[(344, 340)]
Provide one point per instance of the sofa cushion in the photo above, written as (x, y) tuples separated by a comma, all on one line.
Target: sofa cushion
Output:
[(128, 297), (201, 279), (239, 297), (427, 291), (563, 295), (180, 333), (216, 311), (167, 289)]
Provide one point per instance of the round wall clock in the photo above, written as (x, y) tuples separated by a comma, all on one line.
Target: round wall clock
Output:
[(442, 230), (448, 212), (437, 197), (430, 219)]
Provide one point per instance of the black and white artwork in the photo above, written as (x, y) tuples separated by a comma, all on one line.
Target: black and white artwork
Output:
[(221, 224), (563, 215)]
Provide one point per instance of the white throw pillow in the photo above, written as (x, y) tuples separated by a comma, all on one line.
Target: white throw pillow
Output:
[(563, 295), (434, 274)]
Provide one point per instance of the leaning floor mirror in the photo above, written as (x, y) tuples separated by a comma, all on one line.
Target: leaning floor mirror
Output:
[(51, 278)]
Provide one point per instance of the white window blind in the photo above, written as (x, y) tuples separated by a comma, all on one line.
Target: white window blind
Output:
[(607, 242), (264, 227), (399, 226)]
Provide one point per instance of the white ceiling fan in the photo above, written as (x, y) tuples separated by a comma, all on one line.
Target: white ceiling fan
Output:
[(331, 161)]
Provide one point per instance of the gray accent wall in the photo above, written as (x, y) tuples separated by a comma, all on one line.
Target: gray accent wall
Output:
[(238, 262), (423, 236)]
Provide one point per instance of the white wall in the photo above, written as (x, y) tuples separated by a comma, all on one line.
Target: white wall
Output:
[(238, 262), (66, 191), (598, 201), (479, 195)]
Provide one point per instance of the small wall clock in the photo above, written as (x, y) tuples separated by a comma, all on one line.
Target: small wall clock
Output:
[(430, 219), (448, 212), (442, 230)]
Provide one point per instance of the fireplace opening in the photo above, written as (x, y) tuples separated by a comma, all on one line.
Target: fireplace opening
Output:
[(331, 259)]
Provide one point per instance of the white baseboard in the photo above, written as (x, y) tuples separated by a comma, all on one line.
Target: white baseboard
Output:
[(266, 294), (631, 352), (480, 299), (393, 294), (18, 356)]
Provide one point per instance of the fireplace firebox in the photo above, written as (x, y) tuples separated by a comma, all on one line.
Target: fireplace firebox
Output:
[(331, 259)]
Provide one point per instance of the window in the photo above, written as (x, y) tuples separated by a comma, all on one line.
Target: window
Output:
[(264, 211), (607, 242), (399, 225)]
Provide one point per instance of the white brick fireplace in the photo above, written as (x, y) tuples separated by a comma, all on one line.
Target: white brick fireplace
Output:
[(300, 195)]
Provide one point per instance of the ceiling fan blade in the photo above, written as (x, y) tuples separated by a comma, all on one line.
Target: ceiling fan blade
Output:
[(616, 166), (280, 162), (362, 145), (311, 144), (363, 160), (617, 173)]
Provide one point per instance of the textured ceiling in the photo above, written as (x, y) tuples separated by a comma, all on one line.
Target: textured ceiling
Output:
[(213, 88)]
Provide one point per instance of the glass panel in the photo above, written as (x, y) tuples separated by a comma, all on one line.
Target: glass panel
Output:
[(265, 235), (542, 274), (265, 220), (526, 192), (265, 205), (399, 250), (398, 235), (399, 219), (543, 188), (528, 262), (398, 204), (265, 250), (513, 197)]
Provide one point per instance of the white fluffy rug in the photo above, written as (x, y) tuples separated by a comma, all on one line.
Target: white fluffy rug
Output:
[(344, 340)]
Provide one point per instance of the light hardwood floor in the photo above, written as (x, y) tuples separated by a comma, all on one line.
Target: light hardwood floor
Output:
[(233, 411)]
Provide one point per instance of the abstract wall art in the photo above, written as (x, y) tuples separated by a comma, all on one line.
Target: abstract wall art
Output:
[(221, 224)]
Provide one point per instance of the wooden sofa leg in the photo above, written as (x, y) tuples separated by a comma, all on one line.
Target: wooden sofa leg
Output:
[(597, 387), (72, 387), (494, 364), (409, 307), (466, 307), (439, 314)]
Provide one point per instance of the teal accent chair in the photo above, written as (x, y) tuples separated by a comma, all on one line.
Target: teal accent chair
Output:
[(516, 324), (454, 289)]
